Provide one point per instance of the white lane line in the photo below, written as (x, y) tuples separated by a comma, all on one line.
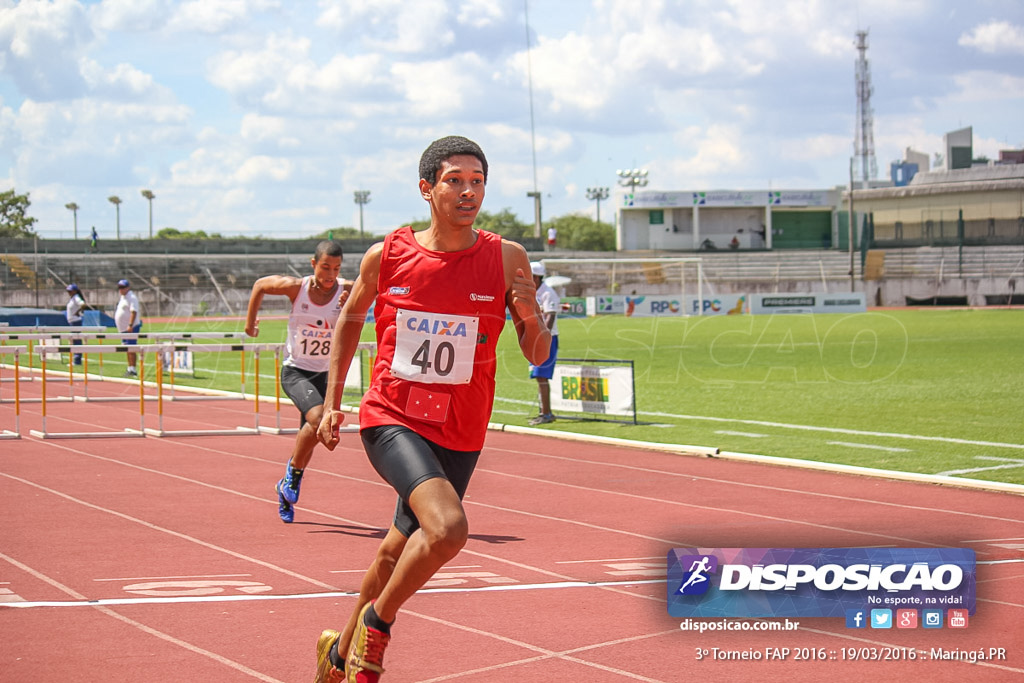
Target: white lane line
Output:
[(730, 482), (176, 534), (634, 594), (189, 599), (168, 578), (837, 430), (813, 428), (1011, 464), (850, 444), (564, 654), (135, 624), (613, 559), (752, 435)]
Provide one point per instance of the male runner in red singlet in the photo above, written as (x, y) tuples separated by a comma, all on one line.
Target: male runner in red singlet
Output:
[(441, 296), (316, 301)]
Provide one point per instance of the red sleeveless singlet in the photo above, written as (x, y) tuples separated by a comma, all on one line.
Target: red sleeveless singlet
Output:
[(438, 318)]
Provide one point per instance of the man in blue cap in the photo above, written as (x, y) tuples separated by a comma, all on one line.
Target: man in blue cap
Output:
[(73, 313)]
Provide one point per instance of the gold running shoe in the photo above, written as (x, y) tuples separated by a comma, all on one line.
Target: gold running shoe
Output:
[(365, 661), (325, 671)]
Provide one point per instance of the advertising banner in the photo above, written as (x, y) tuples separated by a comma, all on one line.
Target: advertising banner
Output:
[(852, 302), (604, 390), (723, 304)]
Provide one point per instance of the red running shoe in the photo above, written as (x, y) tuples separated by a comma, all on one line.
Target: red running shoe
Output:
[(365, 662)]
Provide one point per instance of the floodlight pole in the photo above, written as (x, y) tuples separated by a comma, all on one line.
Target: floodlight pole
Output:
[(116, 201), (851, 228), (362, 198), (536, 212), (73, 208), (633, 178), (597, 194), (149, 197)]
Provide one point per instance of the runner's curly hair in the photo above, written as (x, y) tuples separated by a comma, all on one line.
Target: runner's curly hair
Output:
[(445, 148)]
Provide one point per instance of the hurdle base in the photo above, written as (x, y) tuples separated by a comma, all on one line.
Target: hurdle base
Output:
[(8, 434), (86, 435), (237, 431), (348, 429), (55, 399), (105, 399), (278, 430)]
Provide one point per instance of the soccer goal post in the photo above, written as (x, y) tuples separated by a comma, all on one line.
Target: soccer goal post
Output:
[(599, 276)]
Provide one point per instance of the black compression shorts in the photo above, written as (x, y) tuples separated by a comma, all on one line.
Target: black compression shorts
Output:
[(405, 460), (305, 388)]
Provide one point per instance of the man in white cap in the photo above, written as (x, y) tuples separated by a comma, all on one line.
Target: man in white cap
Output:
[(128, 318), (549, 303)]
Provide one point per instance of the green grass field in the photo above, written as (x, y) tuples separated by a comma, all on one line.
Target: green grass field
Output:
[(912, 390)]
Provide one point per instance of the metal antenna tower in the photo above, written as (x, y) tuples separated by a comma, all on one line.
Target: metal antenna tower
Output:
[(864, 136)]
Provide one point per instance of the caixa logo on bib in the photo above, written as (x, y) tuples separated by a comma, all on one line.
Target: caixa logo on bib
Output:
[(816, 582)]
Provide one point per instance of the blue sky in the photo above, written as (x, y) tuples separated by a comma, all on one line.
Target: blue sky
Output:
[(262, 117)]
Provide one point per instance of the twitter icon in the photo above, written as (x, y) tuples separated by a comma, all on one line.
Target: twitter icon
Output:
[(881, 618)]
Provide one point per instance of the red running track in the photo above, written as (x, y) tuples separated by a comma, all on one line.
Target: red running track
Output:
[(164, 559)]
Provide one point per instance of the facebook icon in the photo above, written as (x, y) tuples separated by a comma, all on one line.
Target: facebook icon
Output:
[(856, 618)]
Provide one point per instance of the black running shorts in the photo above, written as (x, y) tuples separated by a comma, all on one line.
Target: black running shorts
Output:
[(305, 388), (405, 460)]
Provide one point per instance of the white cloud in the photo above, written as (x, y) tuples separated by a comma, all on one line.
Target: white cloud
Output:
[(131, 15), (216, 16), (237, 198), (995, 37), (815, 147), (38, 41), (295, 105), (987, 86), (396, 26), (282, 77), (433, 88), (479, 13), (262, 168)]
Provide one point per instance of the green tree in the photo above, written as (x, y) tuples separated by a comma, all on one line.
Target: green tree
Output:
[(503, 223), (339, 233), (13, 219), (582, 233), (175, 234)]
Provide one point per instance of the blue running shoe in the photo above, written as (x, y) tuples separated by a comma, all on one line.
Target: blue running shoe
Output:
[(288, 487), (284, 508)]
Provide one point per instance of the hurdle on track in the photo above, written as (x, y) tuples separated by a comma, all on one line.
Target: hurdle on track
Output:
[(45, 351), (369, 347), (165, 336), (20, 333), (101, 333), (158, 350), (15, 351)]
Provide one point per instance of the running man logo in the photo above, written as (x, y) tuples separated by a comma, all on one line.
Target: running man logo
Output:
[(592, 389), (695, 580)]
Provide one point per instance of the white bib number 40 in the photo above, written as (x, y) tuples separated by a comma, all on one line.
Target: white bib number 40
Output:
[(434, 348)]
